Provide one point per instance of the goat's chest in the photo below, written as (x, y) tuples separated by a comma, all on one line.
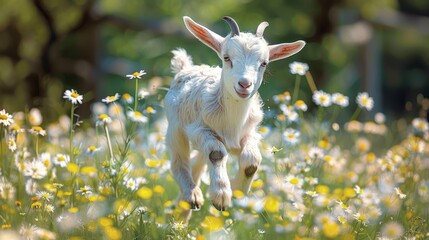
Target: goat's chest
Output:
[(230, 126)]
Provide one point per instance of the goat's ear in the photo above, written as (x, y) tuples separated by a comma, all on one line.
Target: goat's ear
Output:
[(204, 34), (285, 50)]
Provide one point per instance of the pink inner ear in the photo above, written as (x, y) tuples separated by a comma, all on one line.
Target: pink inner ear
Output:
[(283, 51), (203, 36)]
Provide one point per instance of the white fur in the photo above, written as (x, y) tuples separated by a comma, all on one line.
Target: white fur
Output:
[(209, 109)]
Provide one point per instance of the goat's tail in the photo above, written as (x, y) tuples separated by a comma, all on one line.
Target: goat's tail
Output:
[(180, 60)]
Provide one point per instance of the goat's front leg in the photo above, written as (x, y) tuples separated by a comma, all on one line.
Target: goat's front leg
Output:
[(216, 155), (250, 158), (179, 149)]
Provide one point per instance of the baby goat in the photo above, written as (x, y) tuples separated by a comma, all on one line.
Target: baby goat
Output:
[(217, 110)]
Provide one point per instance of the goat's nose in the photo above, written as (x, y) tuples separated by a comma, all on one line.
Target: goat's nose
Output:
[(245, 84)]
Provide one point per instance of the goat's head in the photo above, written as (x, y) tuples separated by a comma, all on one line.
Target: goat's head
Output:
[(245, 56)]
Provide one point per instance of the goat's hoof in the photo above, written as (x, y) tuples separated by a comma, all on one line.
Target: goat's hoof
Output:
[(219, 207), (195, 199), (250, 171), (215, 156)]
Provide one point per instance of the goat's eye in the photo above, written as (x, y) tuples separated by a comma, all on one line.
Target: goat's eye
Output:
[(226, 59), (263, 64)]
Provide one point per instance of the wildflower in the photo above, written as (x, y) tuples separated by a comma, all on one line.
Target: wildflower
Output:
[(298, 68), (110, 99), (301, 105), (362, 144), (115, 111), (379, 118), (143, 93), (420, 125), (126, 97), (264, 131), (290, 113), (294, 180), (11, 144), (131, 184), (5, 118), (35, 169), (150, 110), (45, 158), (353, 126), (35, 117), (340, 99), (364, 101), (331, 229), (315, 153), (281, 98), (312, 193), (28, 231), (179, 226), (85, 191), (392, 230), (49, 208), (145, 193), (273, 149), (291, 136), (136, 74), (399, 193), (37, 130), (73, 96), (91, 150), (44, 195), (322, 98), (61, 160), (137, 116), (103, 119)]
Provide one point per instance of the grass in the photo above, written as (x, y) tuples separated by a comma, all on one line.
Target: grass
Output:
[(108, 177)]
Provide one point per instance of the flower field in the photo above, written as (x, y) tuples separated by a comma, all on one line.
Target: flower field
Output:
[(324, 174)]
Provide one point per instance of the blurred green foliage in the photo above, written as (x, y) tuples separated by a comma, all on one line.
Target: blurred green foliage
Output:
[(89, 45)]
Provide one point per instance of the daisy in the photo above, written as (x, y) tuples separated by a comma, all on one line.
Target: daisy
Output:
[(126, 97), (399, 193), (379, 118), (45, 158), (136, 74), (301, 105), (44, 195), (298, 68), (419, 124), (340, 99), (35, 117), (110, 99), (61, 160), (49, 208), (37, 130), (143, 93), (85, 190), (11, 144), (103, 119), (322, 99), (291, 136), (392, 230), (131, 184), (315, 153), (35, 169), (136, 116), (73, 96), (150, 110), (91, 150), (365, 101), (5, 118)]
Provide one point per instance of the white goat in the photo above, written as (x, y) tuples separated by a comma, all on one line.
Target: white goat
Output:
[(218, 111)]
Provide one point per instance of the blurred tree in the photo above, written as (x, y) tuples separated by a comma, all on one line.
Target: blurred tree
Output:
[(49, 46)]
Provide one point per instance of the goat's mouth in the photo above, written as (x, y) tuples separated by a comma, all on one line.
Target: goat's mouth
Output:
[(243, 93)]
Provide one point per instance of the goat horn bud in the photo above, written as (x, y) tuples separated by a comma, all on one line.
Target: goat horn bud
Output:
[(235, 31), (261, 28)]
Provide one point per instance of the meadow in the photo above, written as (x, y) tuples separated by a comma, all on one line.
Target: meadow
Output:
[(325, 174)]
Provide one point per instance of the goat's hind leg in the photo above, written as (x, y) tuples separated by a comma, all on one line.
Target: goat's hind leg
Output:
[(180, 166)]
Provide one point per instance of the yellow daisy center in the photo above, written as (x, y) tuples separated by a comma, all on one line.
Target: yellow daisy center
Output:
[(150, 109), (74, 94), (4, 117), (138, 114), (37, 128), (92, 148), (136, 74), (61, 159), (294, 181), (103, 117), (111, 98)]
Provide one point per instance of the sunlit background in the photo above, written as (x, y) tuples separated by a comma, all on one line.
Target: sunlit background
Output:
[(48, 46)]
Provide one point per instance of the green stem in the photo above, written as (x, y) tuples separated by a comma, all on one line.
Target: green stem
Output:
[(37, 146), (355, 114), (136, 94), (71, 134), (310, 81), (109, 144), (296, 90), (335, 114)]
